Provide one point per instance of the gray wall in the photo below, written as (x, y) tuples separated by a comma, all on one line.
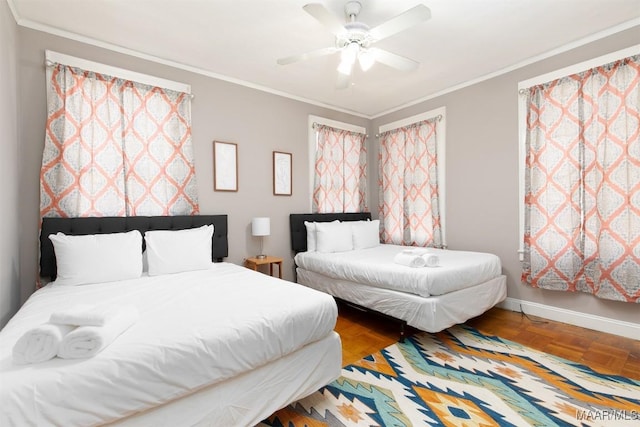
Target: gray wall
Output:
[(9, 161), (257, 121), (482, 172)]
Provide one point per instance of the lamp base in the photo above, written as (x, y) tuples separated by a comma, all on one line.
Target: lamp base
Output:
[(261, 256)]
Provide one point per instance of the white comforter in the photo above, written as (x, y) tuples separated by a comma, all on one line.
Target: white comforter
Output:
[(374, 266), (196, 329)]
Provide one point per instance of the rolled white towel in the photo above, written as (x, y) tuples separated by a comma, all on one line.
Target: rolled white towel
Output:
[(84, 315), (87, 341), (409, 260), (431, 260), (40, 344)]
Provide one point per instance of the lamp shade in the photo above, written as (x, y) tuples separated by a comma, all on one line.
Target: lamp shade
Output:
[(366, 60), (261, 226)]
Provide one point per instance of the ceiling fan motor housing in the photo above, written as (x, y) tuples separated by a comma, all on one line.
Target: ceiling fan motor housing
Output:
[(356, 32)]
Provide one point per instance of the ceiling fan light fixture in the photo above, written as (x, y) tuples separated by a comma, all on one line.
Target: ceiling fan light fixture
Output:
[(348, 57), (350, 53), (345, 68), (366, 60)]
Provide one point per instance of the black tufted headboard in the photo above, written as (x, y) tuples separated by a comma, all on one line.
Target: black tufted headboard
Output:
[(103, 225), (299, 231)]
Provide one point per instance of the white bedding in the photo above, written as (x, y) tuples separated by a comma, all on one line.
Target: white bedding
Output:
[(249, 398), (374, 266), (431, 314), (196, 329)]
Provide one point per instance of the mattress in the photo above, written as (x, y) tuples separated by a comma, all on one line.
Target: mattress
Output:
[(240, 401), (375, 267), (431, 314), (197, 329)]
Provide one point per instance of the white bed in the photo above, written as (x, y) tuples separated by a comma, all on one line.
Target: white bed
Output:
[(221, 346), (375, 267), (464, 285)]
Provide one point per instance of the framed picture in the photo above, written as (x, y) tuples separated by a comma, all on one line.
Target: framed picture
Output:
[(225, 166), (282, 173)]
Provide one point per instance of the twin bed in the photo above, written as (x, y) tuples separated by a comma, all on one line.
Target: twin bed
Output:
[(462, 286), (218, 346), (224, 345)]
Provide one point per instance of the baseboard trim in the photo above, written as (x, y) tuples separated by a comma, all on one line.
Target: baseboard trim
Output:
[(584, 320)]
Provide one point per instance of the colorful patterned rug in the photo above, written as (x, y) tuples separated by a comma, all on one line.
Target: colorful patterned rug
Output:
[(460, 377)]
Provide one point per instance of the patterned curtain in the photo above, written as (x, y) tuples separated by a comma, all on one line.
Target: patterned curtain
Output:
[(409, 209), (115, 148), (582, 194), (340, 175)]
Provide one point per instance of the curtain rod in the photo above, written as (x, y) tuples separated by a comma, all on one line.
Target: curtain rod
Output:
[(316, 124), (436, 118), (49, 63)]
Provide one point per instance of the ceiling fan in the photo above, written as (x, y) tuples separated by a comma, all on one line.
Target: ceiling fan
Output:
[(354, 39)]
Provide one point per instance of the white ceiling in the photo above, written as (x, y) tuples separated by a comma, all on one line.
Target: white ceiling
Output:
[(240, 40)]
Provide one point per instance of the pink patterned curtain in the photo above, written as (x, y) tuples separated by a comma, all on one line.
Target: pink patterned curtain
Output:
[(115, 148), (409, 210), (582, 195), (340, 177)]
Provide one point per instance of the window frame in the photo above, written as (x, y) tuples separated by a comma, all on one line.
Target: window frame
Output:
[(85, 75), (441, 129), (522, 119), (313, 141)]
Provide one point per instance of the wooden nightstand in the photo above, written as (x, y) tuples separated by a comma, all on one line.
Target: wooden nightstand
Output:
[(255, 262)]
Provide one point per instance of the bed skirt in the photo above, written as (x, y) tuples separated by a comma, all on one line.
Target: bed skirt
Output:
[(247, 399), (431, 314)]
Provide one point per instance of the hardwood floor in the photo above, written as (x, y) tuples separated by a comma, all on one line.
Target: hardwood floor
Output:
[(364, 333)]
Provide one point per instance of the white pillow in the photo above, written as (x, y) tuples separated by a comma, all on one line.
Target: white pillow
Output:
[(311, 235), (366, 234), (173, 251), (97, 258), (333, 237)]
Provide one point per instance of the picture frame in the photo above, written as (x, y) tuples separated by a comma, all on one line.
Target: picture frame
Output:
[(225, 166), (282, 176)]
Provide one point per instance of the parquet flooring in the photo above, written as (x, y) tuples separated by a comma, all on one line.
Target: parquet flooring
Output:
[(365, 333)]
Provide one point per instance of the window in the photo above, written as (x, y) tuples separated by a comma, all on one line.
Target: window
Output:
[(580, 178), (115, 146), (411, 180), (338, 165)]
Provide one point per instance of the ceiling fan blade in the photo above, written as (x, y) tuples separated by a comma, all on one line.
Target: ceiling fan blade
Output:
[(343, 81), (392, 60), (325, 17), (401, 22), (308, 55)]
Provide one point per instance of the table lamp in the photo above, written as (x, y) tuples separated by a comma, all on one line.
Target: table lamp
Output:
[(261, 227)]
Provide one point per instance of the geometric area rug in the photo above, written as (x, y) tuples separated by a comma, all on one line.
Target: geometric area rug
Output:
[(460, 377)]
